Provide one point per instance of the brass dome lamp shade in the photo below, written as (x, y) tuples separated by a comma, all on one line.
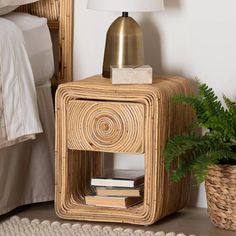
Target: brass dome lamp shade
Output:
[(124, 41)]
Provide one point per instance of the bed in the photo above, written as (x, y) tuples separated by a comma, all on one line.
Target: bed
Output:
[(27, 165)]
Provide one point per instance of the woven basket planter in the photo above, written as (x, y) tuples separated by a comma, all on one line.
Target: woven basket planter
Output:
[(221, 195)]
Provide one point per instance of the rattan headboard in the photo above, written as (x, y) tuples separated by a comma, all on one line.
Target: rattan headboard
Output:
[(60, 17)]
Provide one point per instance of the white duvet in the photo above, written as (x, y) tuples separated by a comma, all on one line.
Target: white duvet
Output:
[(19, 119)]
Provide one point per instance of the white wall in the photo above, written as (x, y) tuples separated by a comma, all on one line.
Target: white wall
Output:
[(192, 38)]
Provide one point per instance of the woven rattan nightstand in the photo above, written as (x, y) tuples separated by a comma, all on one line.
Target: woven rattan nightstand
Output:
[(94, 116)]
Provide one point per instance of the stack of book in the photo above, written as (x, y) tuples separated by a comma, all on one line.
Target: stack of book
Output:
[(117, 188)]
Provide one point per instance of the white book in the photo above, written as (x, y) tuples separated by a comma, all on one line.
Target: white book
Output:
[(119, 178)]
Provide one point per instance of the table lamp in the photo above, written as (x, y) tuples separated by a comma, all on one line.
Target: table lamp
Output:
[(124, 41)]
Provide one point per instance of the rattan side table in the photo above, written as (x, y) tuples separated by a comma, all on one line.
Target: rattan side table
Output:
[(93, 116)]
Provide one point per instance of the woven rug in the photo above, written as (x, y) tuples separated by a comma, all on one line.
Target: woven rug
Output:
[(24, 227)]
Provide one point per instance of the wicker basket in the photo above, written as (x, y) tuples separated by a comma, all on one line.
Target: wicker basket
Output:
[(221, 196)]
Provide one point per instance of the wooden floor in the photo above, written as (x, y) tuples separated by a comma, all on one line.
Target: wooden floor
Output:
[(188, 221)]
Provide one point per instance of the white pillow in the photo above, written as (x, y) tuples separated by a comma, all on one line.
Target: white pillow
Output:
[(38, 44), (6, 10), (7, 6)]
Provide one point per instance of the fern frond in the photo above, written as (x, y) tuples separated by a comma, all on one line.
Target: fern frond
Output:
[(180, 145), (230, 105), (184, 166), (210, 158), (210, 101), (210, 113), (192, 101), (200, 161), (231, 113), (197, 152)]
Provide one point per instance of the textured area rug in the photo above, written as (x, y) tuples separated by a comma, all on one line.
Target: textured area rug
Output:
[(24, 227)]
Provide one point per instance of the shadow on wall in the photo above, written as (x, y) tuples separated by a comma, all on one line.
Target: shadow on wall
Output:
[(152, 40), (153, 49), (109, 161), (172, 3), (152, 44), (153, 56)]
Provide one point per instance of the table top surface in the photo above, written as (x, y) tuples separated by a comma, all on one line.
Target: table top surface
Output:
[(99, 82)]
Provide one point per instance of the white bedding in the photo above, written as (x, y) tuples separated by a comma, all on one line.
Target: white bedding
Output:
[(38, 44), (26, 168), (19, 118)]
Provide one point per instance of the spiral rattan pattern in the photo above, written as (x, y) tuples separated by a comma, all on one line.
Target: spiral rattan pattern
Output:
[(221, 195), (110, 126), (91, 113)]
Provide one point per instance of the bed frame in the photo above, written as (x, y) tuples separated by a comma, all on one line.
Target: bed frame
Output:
[(60, 18)]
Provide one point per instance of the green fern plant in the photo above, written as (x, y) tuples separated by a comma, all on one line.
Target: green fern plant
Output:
[(195, 152)]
